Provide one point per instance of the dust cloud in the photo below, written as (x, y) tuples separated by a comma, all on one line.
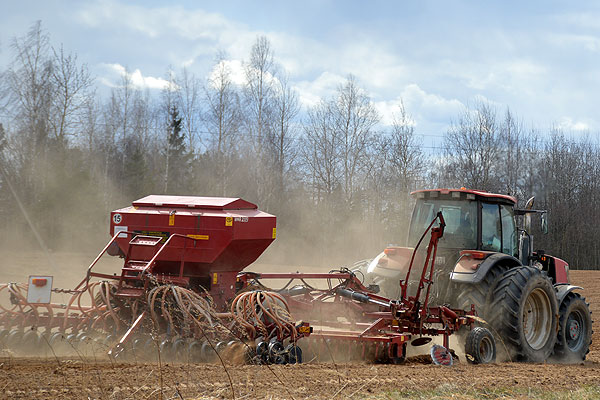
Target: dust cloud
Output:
[(64, 243)]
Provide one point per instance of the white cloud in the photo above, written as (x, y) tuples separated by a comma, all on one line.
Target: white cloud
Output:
[(300, 56), (432, 106), (390, 111), (375, 65), (188, 63), (588, 20), (588, 42), (420, 106), (311, 92), (138, 80), (193, 31), (513, 76), (235, 69), (154, 22), (568, 124)]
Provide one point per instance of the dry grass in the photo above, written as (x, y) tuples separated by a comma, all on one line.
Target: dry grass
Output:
[(449, 391)]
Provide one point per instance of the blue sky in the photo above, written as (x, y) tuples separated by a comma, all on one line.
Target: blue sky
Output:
[(542, 59)]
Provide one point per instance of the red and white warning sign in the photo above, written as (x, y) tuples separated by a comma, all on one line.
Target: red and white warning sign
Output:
[(40, 289)]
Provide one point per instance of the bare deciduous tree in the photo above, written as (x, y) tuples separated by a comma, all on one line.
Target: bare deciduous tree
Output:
[(258, 91), (320, 151), (472, 148), (29, 92), (406, 157), (511, 152), (72, 90), (223, 118), (285, 110), (354, 118), (189, 96)]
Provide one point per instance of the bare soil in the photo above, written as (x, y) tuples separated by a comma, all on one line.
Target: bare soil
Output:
[(83, 378)]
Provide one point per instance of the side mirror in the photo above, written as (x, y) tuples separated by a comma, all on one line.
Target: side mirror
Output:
[(529, 204), (524, 248), (544, 221), (527, 222)]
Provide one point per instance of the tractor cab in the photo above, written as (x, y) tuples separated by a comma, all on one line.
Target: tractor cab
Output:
[(475, 220)]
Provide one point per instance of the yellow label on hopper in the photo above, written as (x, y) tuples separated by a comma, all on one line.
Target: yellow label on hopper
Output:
[(274, 232), (171, 219), (198, 237), (228, 221)]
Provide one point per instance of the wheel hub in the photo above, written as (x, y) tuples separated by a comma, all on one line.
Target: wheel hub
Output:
[(537, 319), (574, 329), (486, 350)]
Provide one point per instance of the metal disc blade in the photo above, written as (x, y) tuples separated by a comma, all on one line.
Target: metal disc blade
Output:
[(420, 341), (440, 355)]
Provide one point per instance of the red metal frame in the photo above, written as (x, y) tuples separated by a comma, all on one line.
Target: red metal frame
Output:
[(373, 318)]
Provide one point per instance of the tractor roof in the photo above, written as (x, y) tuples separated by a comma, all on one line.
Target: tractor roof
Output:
[(480, 193)]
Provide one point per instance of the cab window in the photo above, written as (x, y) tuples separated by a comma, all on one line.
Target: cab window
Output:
[(509, 231), (460, 217), (490, 227)]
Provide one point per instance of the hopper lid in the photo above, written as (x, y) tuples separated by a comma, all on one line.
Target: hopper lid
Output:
[(208, 203)]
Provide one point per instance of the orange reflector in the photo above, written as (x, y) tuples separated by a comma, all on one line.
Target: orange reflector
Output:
[(478, 255), (544, 258), (389, 251), (39, 282)]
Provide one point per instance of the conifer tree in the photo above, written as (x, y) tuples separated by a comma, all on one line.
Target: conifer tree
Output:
[(177, 156)]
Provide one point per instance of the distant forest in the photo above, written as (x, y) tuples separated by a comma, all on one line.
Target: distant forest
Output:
[(337, 179)]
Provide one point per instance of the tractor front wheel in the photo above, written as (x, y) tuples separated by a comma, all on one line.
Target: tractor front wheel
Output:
[(574, 329)]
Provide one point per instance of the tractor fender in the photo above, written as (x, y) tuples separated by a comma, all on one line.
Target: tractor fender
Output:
[(483, 268), (562, 290)]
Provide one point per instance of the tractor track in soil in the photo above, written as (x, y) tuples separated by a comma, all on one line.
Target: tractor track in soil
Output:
[(76, 378)]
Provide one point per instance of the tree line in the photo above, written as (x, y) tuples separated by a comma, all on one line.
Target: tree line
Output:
[(336, 177)]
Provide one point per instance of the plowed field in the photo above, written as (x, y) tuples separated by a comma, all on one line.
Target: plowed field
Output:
[(81, 378)]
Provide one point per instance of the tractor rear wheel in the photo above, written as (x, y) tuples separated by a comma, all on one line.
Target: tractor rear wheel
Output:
[(574, 329), (523, 312), (479, 294)]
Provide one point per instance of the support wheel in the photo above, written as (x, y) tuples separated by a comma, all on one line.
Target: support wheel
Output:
[(30, 341), (398, 353), (480, 346), (574, 329), (262, 352), (293, 354), (207, 352), (194, 351), (276, 352), (178, 349)]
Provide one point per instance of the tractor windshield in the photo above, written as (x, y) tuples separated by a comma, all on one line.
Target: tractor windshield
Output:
[(460, 217)]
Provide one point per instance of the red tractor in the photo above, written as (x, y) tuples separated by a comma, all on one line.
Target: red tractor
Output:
[(485, 258)]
